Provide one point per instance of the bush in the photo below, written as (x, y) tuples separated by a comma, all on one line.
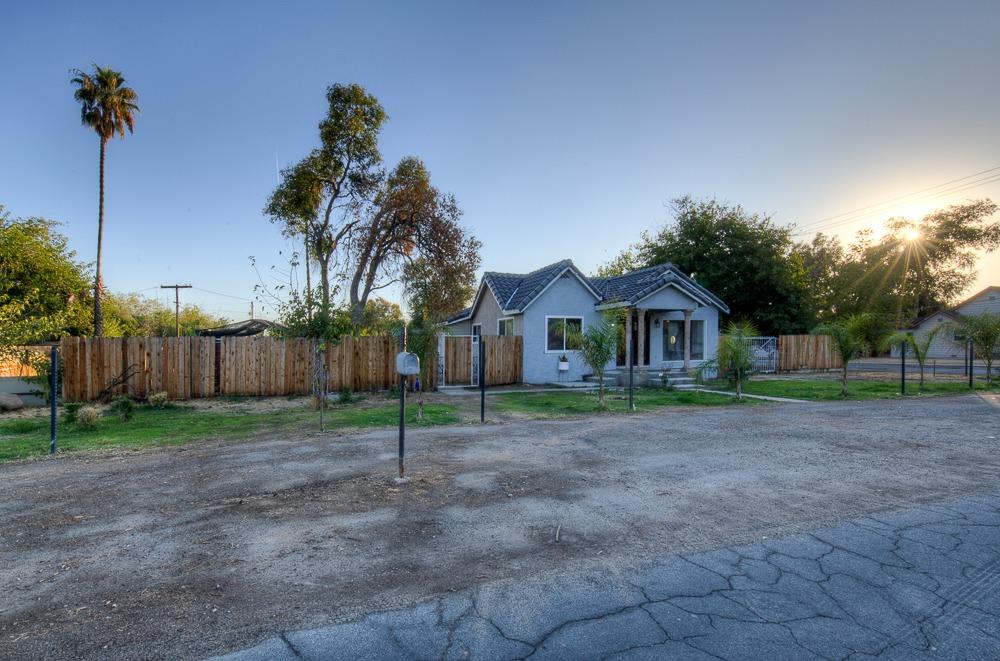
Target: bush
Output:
[(159, 400), (87, 417), (70, 409), (345, 396), (123, 407)]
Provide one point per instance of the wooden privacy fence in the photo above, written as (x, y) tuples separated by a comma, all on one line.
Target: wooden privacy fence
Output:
[(189, 367), (807, 352), (503, 355)]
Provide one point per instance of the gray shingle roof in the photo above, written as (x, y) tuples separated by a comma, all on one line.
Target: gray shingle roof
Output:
[(514, 291), (461, 315)]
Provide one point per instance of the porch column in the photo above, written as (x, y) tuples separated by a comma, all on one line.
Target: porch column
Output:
[(687, 340), (628, 337), (641, 349)]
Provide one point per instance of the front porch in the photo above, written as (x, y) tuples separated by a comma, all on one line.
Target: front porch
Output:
[(664, 340)]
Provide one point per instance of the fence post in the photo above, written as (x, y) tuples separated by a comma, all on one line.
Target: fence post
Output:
[(902, 367), (53, 396), (972, 363), (482, 379), (402, 405)]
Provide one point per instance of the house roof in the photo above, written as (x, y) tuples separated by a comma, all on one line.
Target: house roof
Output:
[(461, 315), (516, 291), (948, 313), (977, 295), (238, 329), (632, 287)]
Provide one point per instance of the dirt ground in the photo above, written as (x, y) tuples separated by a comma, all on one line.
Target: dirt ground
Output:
[(197, 550)]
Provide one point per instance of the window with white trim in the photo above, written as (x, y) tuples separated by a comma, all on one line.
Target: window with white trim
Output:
[(505, 326), (477, 330), (560, 333)]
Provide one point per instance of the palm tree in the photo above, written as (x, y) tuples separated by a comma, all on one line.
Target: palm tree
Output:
[(921, 346), (108, 107), (848, 337), (734, 357), (597, 346)]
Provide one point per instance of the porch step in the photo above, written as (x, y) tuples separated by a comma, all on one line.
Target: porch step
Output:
[(610, 379), (677, 382)]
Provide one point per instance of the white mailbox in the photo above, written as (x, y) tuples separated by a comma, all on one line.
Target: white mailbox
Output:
[(407, 363)]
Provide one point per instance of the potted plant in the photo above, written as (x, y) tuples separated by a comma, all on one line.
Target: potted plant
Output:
[(563, 363)]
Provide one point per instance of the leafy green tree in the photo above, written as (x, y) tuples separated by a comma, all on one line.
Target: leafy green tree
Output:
[(597, 346), (381, 317), (743, 258), (43, 288), (734, 358), (983, 330), (919, 344), (912, 270), (320, 196), (108, 107), (434, 290), (848, 337), (131, 315)]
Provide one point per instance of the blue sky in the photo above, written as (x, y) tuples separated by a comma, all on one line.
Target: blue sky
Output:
[(563, 128)]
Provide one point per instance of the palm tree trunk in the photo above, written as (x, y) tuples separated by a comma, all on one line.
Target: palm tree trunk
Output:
[(843, 382), (98, 284), (921, 376), (309, 313)]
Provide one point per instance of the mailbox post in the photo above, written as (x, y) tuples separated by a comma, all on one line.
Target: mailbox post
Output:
[(407, 364)]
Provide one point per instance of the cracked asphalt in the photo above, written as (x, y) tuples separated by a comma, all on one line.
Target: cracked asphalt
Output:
[(779, 530), (919, 584)]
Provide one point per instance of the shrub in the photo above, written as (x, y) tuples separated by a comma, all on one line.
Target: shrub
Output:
[(123, 407), (87, 417), (159, 400), (70, 409), (346, 396)]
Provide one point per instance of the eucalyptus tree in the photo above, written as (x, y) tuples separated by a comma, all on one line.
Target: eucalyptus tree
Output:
[(108, 106), (321, 195)]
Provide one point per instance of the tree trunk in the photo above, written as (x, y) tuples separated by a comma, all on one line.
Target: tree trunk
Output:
[(921, 376), (309, 314), (843, 382), (98, 284)]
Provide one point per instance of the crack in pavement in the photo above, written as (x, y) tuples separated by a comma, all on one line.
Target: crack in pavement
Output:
[(889, 590)]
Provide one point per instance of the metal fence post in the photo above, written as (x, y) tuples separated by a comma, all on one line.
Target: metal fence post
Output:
[(972, 363), (53, 396), (402, 406), (902, 367), (482, 379)]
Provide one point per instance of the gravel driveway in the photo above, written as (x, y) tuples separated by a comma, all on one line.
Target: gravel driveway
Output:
[(208, 548)]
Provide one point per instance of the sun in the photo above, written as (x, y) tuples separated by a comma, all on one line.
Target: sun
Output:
[(911, 234)]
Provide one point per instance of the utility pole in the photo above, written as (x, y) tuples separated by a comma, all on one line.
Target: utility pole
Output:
[(251, 310), (177, 305)]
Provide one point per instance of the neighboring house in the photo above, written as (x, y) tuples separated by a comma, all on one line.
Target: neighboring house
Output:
[(238, 329), (673, 322), (945, 344)]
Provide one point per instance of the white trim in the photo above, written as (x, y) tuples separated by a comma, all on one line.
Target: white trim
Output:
[(572, 270), (502, 319), (480, 325), (672, 283), (583, 323)]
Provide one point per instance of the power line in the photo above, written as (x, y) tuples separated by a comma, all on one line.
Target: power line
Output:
[(968, 185), (219, 293), (901, 197)]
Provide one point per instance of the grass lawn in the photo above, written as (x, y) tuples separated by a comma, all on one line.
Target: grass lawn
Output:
[(829, 389), (552, 404), (151, 427)]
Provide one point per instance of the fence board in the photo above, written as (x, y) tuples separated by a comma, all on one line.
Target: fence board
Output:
[(807, 352), (503, 358), (458, 360)]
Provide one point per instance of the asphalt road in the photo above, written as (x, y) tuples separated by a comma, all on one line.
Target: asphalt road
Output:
[(200, 550), (919, 584)]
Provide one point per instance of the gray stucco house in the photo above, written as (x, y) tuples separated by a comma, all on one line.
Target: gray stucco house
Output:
[(673, 322)]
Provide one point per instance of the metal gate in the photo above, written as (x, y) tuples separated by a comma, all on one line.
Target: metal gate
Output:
[(765, 353)]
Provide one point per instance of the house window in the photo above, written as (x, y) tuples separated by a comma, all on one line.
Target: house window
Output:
[(673, 340), (505, 326), (477, 330), (560, 333)]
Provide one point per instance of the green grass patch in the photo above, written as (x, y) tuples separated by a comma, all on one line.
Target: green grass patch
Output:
[(151, 427), (857, 390), (554, 404)]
